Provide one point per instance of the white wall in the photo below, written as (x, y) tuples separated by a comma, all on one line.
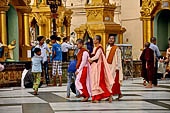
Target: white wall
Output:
[(78, 18), (130, 19)]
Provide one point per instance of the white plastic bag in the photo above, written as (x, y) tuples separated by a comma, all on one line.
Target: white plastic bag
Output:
[(1, 67)]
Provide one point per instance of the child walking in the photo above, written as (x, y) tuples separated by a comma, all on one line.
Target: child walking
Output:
[(36, 69), (71, 73)]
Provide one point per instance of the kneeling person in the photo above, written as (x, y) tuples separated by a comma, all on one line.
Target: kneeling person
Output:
[(83, 72)]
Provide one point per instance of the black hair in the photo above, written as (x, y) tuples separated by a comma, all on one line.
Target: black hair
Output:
[(147, 44), (54, 37), (40, 38), (114, 35), (169, 39), (153, 39), (28, 65), (80, 41), (36, 50), (48, 41), (64, 39), (72, 33), (98, 37)]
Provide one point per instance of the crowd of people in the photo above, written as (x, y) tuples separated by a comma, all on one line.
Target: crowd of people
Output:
[(95, 75), (154, 65)]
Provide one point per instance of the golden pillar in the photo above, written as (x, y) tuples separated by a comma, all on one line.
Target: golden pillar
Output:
[(120, 38), (68, 32), (147, 29), (26, 29), (60, 30), (104, 40), (43, 2), (3, 27), (40, 29), (35, 2), (49, 27)]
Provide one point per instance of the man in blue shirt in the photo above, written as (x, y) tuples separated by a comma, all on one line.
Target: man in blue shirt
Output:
[(56, 59), (157, 54)]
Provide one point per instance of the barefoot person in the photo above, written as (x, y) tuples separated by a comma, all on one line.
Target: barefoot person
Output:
[(101, 78), (113, 56), (83, 72), (56, 60), (148, 67)]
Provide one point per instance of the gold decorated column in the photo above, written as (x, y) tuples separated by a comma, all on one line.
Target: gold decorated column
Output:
[(35, 3), (120, 38), (26, 29), (104, 40), (147, 29), (3, 27), (68, 32), (43, 2), (49, 27), (40, 30), (60, 30)]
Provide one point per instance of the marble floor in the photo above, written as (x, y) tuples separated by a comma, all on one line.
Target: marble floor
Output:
[(137, 99)]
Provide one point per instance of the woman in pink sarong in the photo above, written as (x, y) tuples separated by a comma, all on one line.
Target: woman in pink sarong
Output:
[(101, 78)]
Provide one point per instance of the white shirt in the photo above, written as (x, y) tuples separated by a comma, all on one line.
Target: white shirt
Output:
[(44, 48), (65, 47)]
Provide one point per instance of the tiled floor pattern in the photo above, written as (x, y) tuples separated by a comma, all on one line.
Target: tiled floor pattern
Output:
[(137, 99)]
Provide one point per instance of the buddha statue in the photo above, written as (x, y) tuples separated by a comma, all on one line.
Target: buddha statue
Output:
[(11, 48)]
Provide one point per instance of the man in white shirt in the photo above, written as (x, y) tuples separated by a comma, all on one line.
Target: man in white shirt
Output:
[(65, 47), (44, 48)]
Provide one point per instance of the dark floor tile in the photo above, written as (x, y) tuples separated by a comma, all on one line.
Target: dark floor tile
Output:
[(36, 108)]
